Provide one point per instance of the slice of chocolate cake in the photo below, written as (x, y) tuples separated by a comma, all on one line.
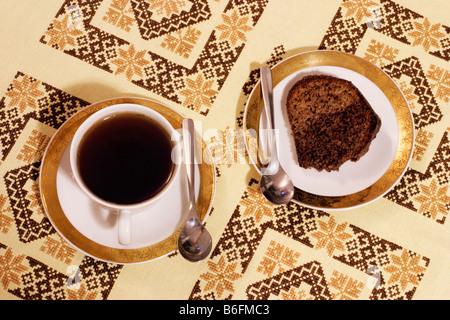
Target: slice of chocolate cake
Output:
[(331, 122)]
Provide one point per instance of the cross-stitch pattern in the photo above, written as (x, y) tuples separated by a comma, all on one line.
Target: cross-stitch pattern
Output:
[(195, 88), (262, 251)]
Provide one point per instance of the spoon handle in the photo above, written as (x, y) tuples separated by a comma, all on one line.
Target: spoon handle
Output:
[(189, 157), (267, 93)]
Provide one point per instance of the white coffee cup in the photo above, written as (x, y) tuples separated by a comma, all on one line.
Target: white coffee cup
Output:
[(125, 211)]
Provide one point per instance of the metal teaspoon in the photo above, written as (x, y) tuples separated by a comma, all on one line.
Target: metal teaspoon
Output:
[(275, 184), (194, 241)]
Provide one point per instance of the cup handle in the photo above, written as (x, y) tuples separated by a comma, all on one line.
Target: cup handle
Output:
[(124, 227)]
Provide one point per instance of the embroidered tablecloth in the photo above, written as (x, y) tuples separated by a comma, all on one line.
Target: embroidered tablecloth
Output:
[(202, 58)]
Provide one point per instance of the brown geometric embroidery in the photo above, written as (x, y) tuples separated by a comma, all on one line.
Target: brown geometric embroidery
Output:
[(159, 75), (220, 276), (444, 52), (406, 26), (234, 27), (11, 266), (62, 33), (380, 53), (422, 140), (173, 17), (30, 279), (365, 250), (408, 91), (34, 147), (99, 276), (344, 287), (28, 228), (433, 200), (243, 233), (411, 191), (426, 35), (167, 7), (440, 82), (310, 274), (81, 294), (412, 69), (181, 42), (396, 20), (34, 197), (23, 101), (198, 93), (256, 206), (348, 27), (120, 14), (24, 93), (405, 269), (295, 294), (277, 259), (331, 236), (40, 282), (130, 62), (58, 248), (343, 34), (6, 220), (358, 8)]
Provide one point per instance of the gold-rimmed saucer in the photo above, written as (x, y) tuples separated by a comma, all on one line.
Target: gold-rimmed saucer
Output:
[(357, 183), (61, 199)]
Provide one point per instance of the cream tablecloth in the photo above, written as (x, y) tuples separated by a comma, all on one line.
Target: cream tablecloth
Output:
[(201, 58)]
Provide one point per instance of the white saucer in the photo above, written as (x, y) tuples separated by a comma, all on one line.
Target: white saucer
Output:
[(91, 228)]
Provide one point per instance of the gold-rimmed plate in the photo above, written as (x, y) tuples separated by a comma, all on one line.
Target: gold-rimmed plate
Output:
[(92, 229), (356, 183)]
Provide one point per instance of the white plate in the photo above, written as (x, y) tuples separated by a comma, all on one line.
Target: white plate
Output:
[(356, 183), (352, 176)]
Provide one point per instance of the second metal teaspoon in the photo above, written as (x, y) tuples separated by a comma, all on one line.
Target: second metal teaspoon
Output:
[(275, 184)]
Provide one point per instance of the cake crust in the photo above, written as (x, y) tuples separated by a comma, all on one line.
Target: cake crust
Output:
[(331, 122)]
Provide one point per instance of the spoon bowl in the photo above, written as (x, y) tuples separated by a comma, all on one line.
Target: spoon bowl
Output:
[(194, 242), (277, 188)]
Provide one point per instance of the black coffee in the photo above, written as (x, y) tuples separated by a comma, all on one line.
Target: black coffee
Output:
[(125, 158)]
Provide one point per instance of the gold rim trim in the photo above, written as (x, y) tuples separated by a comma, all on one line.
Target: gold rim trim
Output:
[(52, 206), (379, 78)]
